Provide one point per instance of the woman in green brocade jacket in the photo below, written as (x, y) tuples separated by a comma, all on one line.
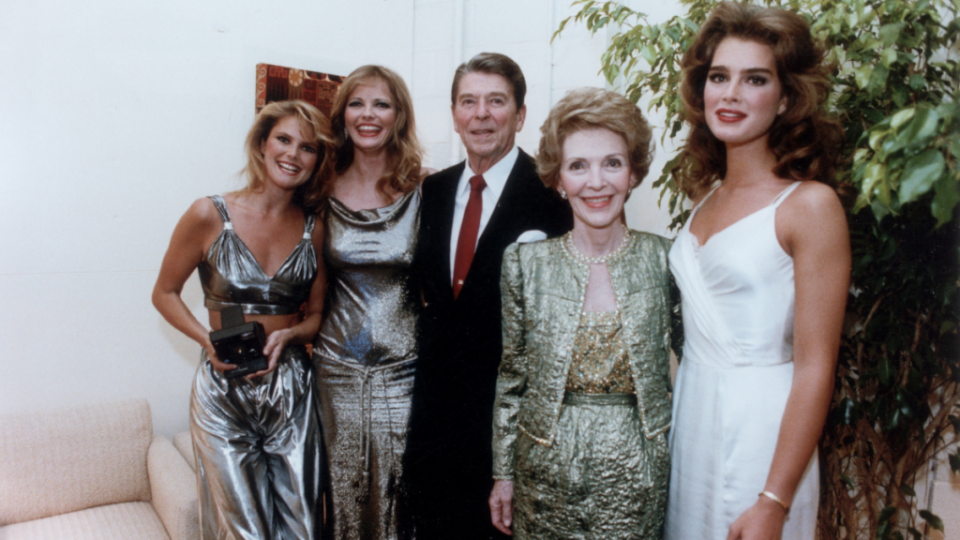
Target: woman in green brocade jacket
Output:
[(583, 395)]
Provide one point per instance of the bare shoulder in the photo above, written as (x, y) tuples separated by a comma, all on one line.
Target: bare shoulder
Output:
[(810, 203), (203, 214), (813, 213)]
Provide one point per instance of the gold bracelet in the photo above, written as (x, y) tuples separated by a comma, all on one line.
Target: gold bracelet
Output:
[(775, 499)]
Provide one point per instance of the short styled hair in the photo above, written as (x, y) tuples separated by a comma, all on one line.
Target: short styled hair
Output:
[(805, 141), (404, 153), (314, 127), (594, 108), (493, 64)]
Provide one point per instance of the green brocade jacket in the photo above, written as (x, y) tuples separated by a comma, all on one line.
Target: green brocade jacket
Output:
[(543, 287)]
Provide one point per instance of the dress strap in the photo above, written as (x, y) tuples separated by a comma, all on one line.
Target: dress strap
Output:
[(308, 224), (783, 194), (693, 212), (221, 206)]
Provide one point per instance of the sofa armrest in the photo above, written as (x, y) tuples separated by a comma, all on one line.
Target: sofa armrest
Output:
[(184, 443), (173, 489)]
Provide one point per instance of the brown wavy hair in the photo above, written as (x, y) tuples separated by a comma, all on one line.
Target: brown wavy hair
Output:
[(594, 108), (404, 153), (805, 141), (314, 127)]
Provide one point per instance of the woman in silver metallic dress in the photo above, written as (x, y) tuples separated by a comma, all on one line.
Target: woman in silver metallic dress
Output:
[(366, 350), (583, 404), (257, 438)]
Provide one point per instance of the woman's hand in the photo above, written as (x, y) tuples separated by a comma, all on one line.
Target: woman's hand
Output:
[(501, 506), (762, 521), (276, 342), (215, 361)]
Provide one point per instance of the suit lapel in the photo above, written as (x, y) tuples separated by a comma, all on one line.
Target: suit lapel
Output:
[(507, 217), (440, 217)]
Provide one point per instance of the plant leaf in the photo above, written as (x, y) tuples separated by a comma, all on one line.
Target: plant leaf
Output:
[(919, 175), (932, 519), (901, 117), (907, 490), (888, 57), (889, 33), (862, 76), (921, 127), (886, 370), (946, 198)]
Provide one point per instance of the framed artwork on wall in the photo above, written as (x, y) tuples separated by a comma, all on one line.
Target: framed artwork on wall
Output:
[(278, 83)]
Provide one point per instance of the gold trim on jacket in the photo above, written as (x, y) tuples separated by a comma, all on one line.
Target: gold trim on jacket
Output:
[(543, 288)]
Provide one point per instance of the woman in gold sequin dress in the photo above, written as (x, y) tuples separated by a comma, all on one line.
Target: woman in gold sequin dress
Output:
[(583, 403), (366, 350)]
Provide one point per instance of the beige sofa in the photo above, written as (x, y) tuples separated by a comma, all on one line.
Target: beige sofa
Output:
[(93, 472)]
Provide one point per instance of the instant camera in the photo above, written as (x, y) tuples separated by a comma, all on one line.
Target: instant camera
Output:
[(239, 343)]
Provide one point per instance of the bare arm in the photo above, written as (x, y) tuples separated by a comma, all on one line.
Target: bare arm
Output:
[(812, 226), (193, 233)]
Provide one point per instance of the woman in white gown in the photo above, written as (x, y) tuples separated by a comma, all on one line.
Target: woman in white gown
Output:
[(763, 265)]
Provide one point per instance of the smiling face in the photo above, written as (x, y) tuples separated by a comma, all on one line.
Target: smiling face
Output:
[(486, 116), (595, 174), (370, 115), (289, 159), (742, 95)]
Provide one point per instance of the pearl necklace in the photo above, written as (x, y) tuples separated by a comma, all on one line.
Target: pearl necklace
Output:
[(602, 259)]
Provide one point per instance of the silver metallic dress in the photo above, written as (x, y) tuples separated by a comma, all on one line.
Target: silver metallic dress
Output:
[(365, 354)]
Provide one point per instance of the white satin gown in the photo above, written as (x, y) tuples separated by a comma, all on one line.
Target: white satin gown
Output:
[(734, 378)]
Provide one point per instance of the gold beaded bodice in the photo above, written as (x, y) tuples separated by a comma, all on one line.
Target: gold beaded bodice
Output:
[(600, 363)]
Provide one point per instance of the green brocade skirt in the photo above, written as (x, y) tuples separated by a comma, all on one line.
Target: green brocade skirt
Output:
[(601, 479)]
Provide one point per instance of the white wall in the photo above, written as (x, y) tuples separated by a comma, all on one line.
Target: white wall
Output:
[(115, 115)]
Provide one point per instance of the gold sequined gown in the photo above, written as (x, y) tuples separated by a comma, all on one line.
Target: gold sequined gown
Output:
[(365, 354), (582, 407)]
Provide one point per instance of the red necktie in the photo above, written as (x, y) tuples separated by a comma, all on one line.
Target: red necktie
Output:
[(467, 241)]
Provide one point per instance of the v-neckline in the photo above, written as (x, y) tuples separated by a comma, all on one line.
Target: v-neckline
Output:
[(698, 245), (254, 257)]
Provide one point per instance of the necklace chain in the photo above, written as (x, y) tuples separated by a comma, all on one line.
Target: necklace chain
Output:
[(602, 259)]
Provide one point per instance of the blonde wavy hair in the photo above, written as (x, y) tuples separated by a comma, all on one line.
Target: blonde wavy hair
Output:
[(314, 127), (404, 153), (592, 108)]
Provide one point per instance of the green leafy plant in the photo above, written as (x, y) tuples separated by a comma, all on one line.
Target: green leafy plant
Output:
[(896, 79)]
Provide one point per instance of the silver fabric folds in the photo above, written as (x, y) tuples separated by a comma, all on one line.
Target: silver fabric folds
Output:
[(257, 444), (365, 355), (365, 413)]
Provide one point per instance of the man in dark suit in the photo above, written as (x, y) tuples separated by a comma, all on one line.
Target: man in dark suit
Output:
[(471, 212)]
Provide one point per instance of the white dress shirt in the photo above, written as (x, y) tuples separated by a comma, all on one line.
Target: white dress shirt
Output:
[(496, 179)]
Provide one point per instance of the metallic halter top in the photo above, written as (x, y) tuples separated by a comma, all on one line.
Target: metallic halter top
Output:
[(231, 276)]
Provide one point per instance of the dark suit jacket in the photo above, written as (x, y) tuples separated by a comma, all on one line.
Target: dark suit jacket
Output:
[(449, 455)]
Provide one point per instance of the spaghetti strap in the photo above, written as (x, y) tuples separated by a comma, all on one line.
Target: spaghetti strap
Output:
[(784, 194), (693, 212), (309, 222), (221, 206)]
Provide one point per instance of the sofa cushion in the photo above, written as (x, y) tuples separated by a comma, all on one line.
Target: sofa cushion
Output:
[(113, 522), (70, 459)]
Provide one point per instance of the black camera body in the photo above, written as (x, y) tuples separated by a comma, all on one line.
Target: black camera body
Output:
[(239, 343)]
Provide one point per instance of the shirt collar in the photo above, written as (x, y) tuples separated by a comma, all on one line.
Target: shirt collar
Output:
[(495, 178)]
